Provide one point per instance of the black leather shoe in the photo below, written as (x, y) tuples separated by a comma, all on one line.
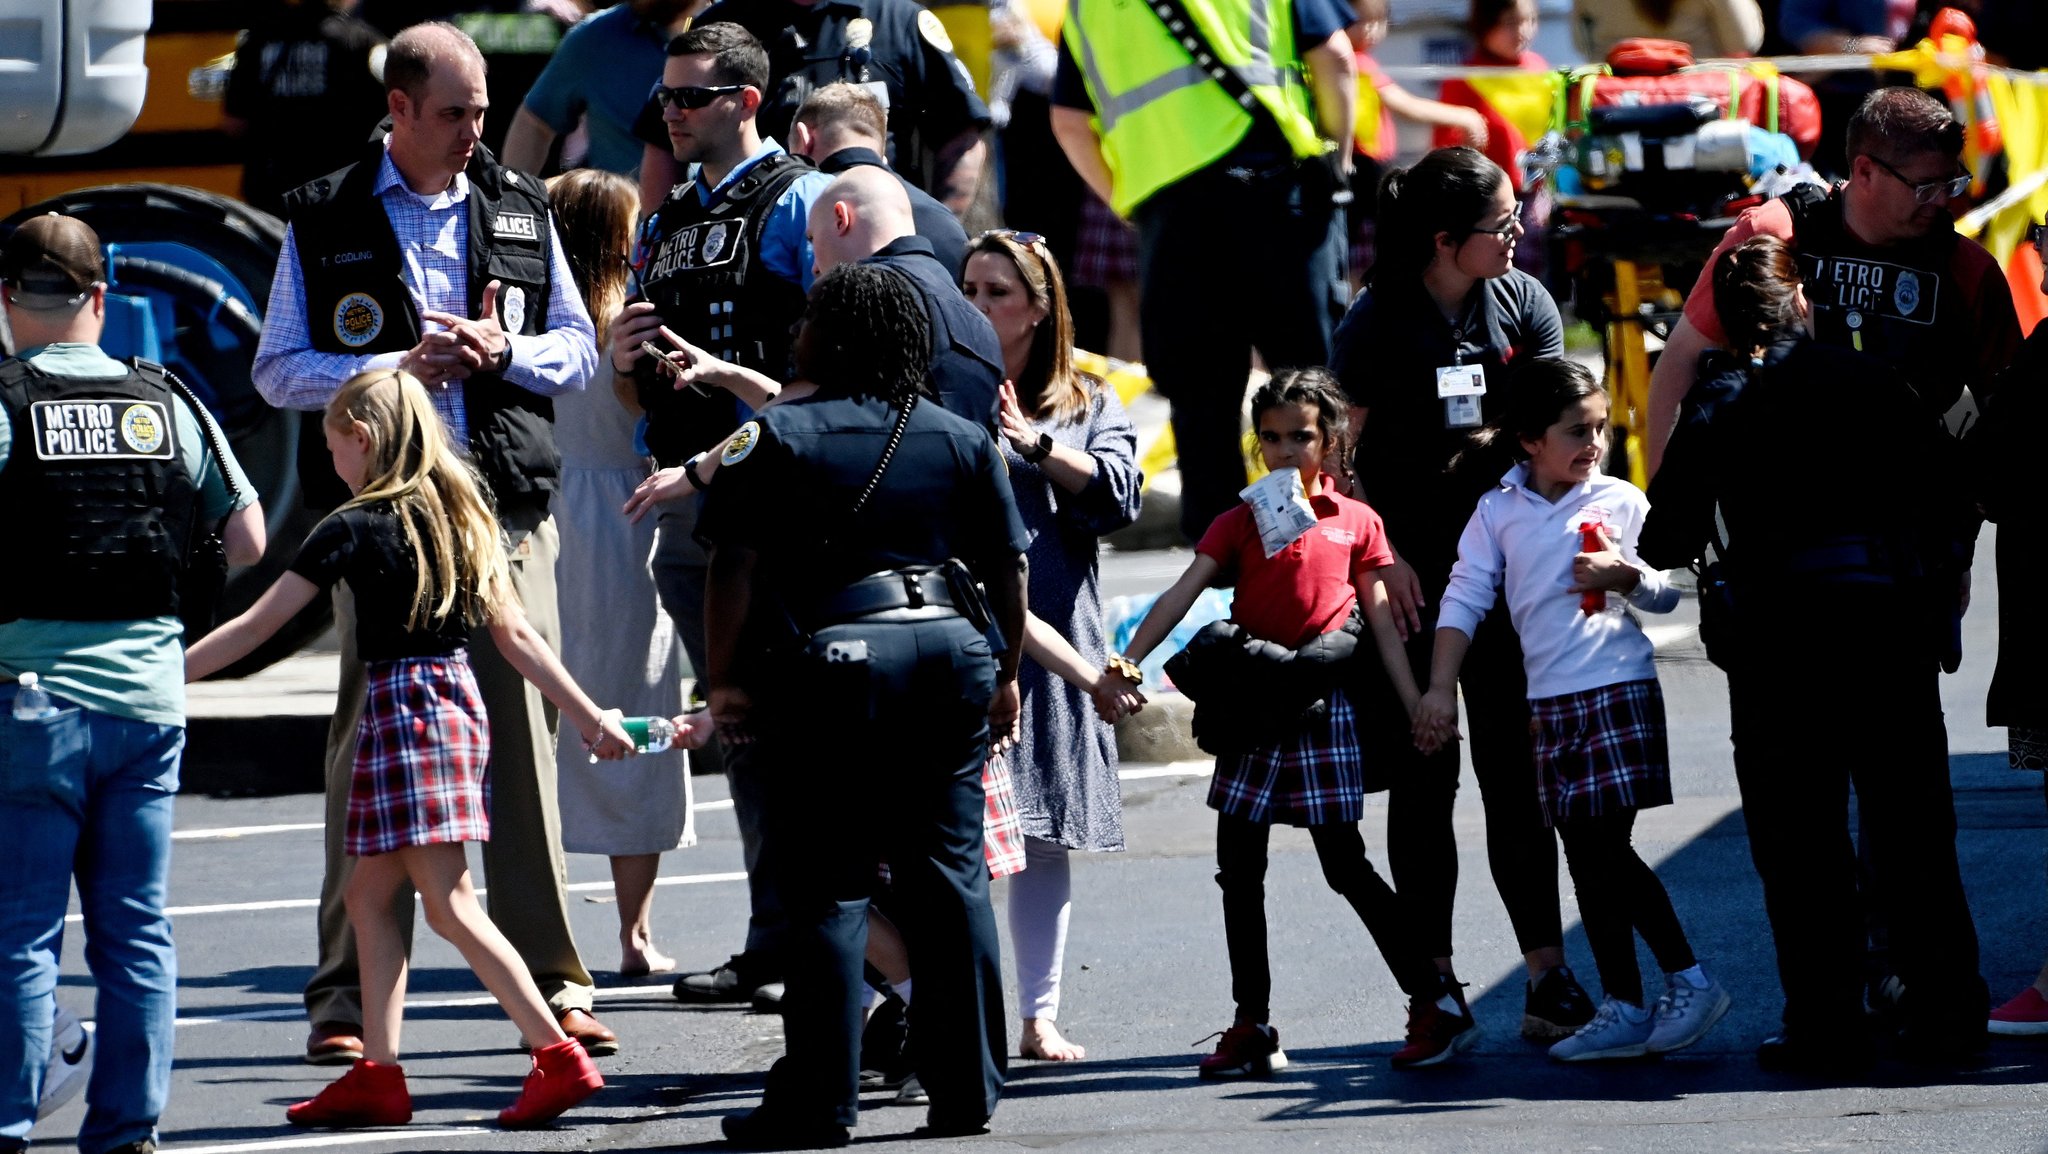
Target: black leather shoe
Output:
[(760, 1129), (1788, 1053), (952, 1126)]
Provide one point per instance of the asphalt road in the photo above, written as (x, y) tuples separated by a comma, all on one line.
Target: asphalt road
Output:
[(1146, 978)]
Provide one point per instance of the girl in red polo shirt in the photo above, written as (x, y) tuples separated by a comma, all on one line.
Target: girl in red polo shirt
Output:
[(1311, 775)]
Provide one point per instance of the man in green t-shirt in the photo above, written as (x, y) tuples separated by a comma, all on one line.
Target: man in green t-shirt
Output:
[(104, 474)]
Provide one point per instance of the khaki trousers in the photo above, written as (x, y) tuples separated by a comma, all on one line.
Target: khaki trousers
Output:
[(523, 863)]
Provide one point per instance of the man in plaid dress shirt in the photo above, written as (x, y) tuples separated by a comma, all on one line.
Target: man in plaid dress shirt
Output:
[(350, 296)]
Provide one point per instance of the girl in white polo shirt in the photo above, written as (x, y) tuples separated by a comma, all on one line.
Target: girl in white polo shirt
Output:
[(1561, 538)]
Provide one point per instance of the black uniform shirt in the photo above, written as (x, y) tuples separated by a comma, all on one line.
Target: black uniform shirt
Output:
[(967, 359), (908, 61), (934, 221), (785, 486), (1386, 353)]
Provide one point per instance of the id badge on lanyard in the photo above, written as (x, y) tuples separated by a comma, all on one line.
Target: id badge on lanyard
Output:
[(1460, 387)]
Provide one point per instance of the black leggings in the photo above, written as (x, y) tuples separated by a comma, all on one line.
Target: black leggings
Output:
[(1620, 896), (1241, 872), (1422, 850)]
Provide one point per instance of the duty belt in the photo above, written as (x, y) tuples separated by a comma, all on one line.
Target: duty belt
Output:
[(888, 591)]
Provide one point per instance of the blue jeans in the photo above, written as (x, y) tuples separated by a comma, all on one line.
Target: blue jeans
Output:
[(92, 793)]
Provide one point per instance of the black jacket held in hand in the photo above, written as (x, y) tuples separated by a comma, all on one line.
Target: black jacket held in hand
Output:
[(1250, 693)]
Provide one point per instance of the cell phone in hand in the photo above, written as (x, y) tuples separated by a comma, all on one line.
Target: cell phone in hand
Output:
[(663, 355)]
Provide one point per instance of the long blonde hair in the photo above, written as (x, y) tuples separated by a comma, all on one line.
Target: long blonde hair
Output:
[(1051, 384), (438, 499), (595, 212)]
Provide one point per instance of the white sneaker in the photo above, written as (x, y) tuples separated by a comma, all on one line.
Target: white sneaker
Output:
[(69, 1066), (1609, 1035), (1686, 1012), (911, 1093)]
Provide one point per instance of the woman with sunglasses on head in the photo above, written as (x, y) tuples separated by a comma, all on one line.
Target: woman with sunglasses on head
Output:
[(1073, 466), (1423, 354)]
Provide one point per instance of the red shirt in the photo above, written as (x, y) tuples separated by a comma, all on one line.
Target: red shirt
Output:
[(1304, 590)]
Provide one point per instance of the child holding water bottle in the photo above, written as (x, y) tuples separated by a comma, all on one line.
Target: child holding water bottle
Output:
[(420, 549)]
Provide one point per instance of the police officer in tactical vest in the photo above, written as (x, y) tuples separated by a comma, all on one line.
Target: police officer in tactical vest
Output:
[(108, 472), (428, 255), (724, 268), (1883, 266)]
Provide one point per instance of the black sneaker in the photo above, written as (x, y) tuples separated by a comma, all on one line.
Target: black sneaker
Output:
[(1555, 1007), (1813, 1053), (735, 981), (885, 1062)]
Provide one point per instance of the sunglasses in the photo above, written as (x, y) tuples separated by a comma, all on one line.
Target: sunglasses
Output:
[(692, 96), (1925, 191), (2036, 232), (1027, 239)]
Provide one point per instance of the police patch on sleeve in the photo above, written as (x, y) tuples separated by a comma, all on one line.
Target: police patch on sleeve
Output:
[(934, 30), (111, 429), (358, 318), (742, 444)]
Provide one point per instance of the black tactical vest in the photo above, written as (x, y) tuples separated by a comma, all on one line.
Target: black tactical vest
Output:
[(100, 508), (357, 302), (1899, 302), (703, 275)]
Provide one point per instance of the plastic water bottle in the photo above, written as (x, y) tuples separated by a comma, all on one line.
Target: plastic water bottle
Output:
[(649, 734), (33, 702)]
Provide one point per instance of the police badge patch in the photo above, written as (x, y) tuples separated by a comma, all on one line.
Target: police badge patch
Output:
[(358, 319), (934, 30), (1906, 293), (513, 306), (92, 430), (714, 242), (742, 444)]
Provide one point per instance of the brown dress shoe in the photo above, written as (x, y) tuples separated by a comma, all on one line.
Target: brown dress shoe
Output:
[(334, 1044), (587, 1031)]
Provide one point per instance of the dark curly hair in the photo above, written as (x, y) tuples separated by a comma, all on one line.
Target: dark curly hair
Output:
[(1756, 292), (1309, 386), (866, 335)]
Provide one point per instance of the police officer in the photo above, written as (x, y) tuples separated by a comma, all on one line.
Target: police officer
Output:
[(107, 474), (1808, 567), (842, 126), (385, 264), (847, 532), (725, 270), (1210, 140), (1884, 268), (895, 49), (864, 215)]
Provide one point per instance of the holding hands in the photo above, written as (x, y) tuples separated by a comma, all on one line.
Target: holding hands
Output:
[(1434, 718)]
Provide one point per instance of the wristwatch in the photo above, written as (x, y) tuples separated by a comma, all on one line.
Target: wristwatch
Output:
[(1040, 451)]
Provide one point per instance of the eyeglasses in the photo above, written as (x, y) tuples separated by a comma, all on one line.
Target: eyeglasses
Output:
[(1924, 192), (692, 96), (1506, 233)]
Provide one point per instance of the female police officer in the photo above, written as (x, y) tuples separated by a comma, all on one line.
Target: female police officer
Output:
[(846, 638)]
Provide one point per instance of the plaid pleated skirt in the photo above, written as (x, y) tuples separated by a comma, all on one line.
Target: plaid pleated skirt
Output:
[(1601, 750), (421, 756), (1315, 776), (1002, 832)]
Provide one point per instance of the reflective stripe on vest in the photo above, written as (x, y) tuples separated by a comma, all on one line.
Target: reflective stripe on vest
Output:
[(1158, 111)]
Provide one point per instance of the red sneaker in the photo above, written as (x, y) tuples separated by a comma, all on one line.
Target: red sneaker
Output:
[(2024, 1016), (370, 1094), (1246, 1051), (1434, 1036), (562, 1076)]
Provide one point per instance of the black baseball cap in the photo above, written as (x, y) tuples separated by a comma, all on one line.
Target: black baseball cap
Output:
[(51, 262)]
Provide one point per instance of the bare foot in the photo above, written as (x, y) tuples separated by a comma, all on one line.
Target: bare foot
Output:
[(638, 963), (1042, 1041)]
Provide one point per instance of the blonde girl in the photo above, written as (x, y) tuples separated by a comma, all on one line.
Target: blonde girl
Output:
[(420, 550)]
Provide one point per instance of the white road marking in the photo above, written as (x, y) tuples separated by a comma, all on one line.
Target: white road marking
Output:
[(322, 1141), (233, 831), (1172, 769), (287, 1014), (309, 903)]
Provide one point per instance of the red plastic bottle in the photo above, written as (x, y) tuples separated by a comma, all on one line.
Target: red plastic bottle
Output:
[(1593, 600)]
